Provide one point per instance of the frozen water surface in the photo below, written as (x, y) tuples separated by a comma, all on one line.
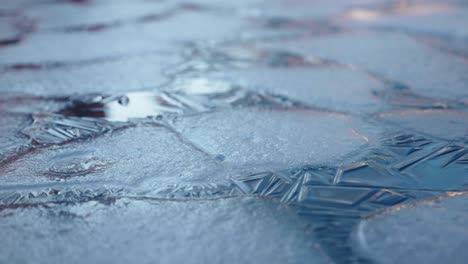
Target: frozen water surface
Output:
[(430, 232), (233, 131), (108, 75), (275, 140), (427, 71), (110, 160), (10, 137), (65, 16), (345, 90), (221, 231), (449, 125), (418, 18), (73, 48), (9, 34)]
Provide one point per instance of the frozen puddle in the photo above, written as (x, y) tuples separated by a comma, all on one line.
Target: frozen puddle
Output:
[(233, 132), (216, 140)]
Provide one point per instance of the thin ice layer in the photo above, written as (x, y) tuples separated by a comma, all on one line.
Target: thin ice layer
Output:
[(113, 75), (10, 137), (241, 230), (430, 232), (396, 57), (99, 13), (275, 139), (450, 22), (8, 33), (143, 158), (438, 123), (336, 89), (129, 39), (58, 48), (319, 9)]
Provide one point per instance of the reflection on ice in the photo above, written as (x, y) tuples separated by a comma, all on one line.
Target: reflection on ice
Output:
[(399, 8)]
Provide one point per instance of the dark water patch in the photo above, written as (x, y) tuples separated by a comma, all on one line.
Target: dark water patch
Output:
[(198, 95), (18, 27), (77, 2), (23, 67), (91, 28), (9, 42)]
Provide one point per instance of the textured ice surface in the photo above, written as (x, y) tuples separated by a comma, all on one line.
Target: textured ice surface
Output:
[(113, 75), (428, 232), (78, 48), (331, 88), (10, 137), (65, 16), (275, 139), (186, 27), (129, 39), (438, 123), (241, 230), (426, 71), (231, 131), (160, 156)]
